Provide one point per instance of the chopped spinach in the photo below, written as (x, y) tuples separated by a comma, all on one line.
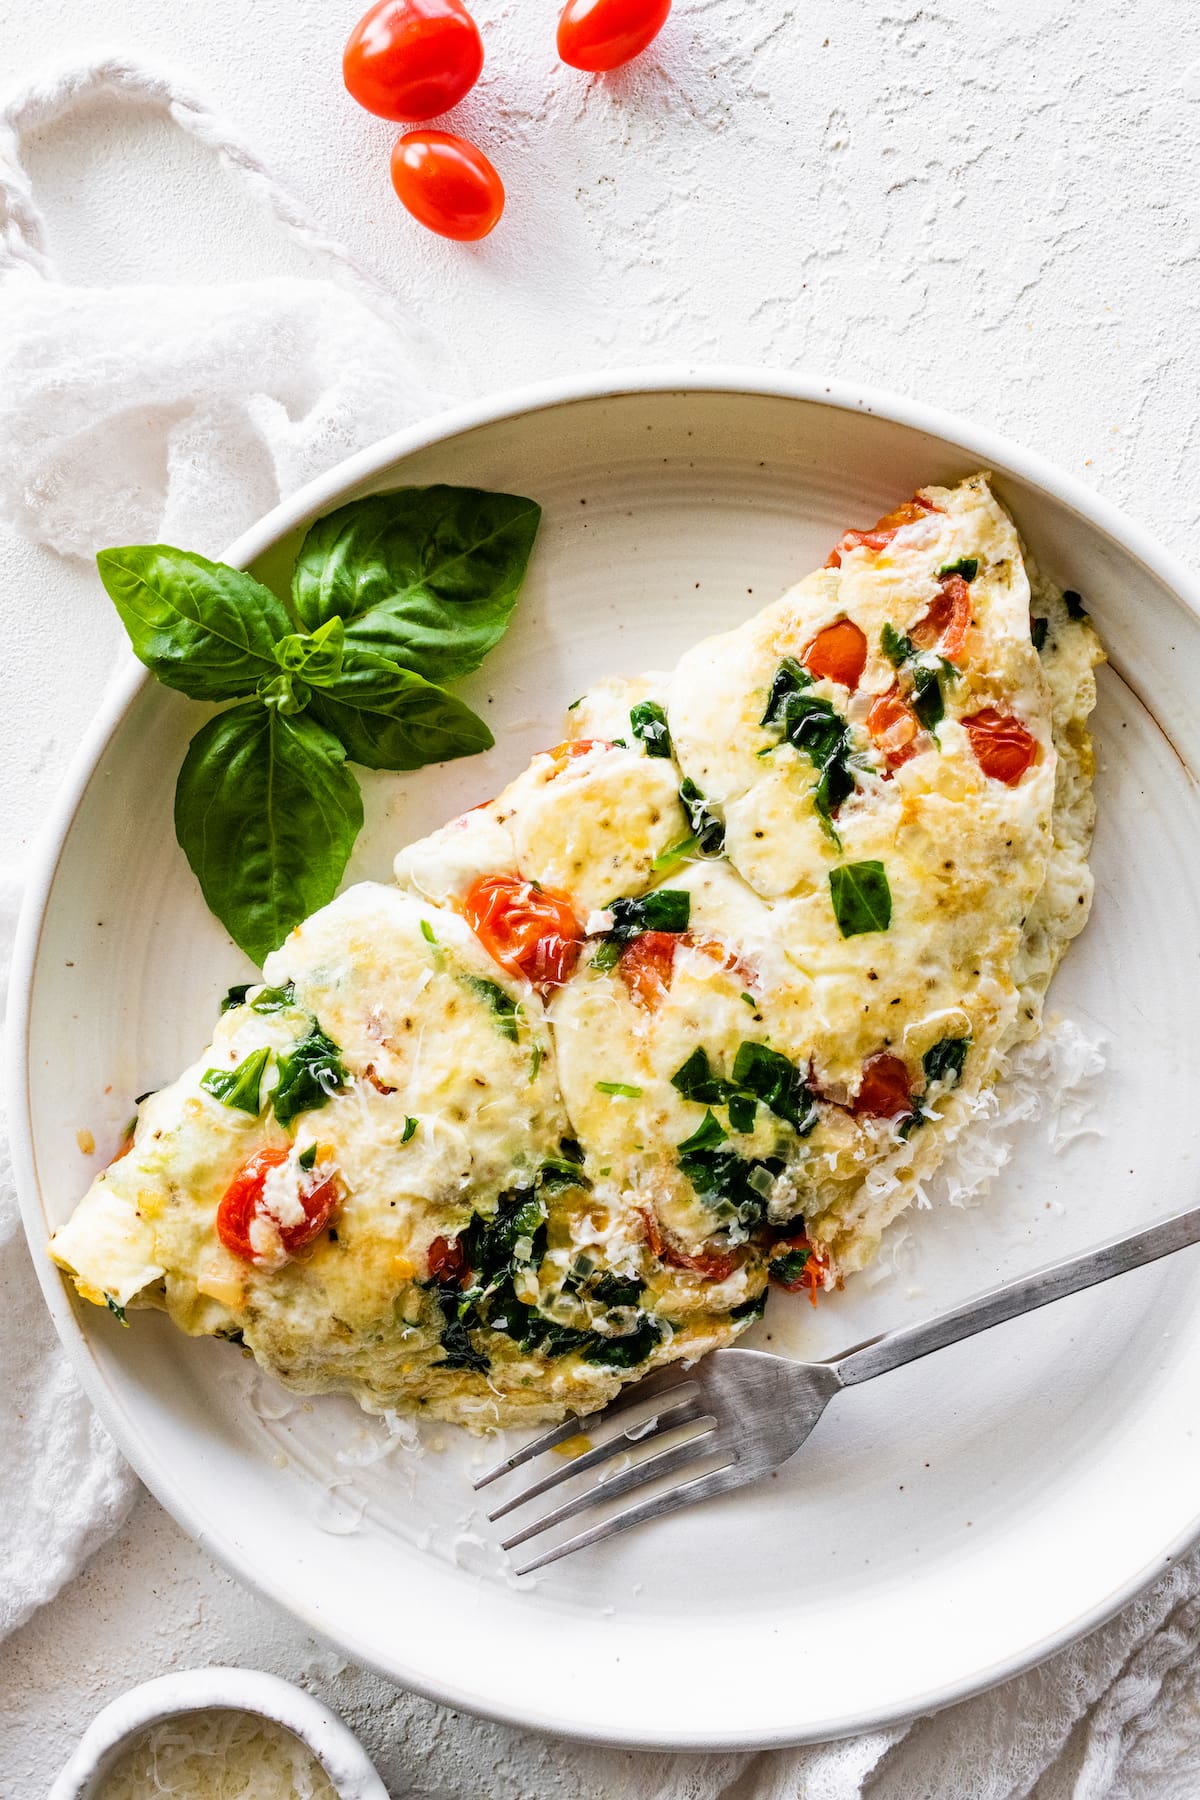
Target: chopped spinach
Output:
[(665, 909), (503, 1007), (771, 1078), (944, 1060), (559, 1173), (649, 723), (733, 1186), (617, 1290), (1037, 633), (707, 1136), (811, 725), (927, 703), (459, 1317), (308, 1157), (309, 1076), (708, 829), (896, 646), (862, 898), (742, 1111), (966, 566), (790, 679), (696, 1081), (274, 999), (789, 1265), (749, 1309), (117, 1310), (240, 1086), (1074, 604), (236, 995)]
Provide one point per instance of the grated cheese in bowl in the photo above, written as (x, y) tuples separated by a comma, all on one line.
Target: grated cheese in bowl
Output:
[(219, 1754)]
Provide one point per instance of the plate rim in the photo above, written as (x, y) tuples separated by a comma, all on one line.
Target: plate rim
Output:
[(992, 450)]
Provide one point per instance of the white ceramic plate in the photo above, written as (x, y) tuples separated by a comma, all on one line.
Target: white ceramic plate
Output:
[(945, 1526)]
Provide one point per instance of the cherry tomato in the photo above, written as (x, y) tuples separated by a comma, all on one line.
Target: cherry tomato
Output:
[(714, 1265), (946, 624), (446, 1259), (885, 1090), (242, 1204), (1003, 748), (447, 184), (893, 725), (883, 531), (839, 653), (602, 34), (530, 931), (562, 754), (412, 59), (646, 965)]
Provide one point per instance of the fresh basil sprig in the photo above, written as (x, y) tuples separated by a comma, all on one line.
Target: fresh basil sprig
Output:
[(391, 596)]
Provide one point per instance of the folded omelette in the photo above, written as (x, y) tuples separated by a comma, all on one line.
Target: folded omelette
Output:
[(688, 1008)]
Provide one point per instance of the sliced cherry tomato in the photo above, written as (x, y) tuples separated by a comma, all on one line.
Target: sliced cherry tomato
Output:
[(447, 184), (1003, 748), (714, 1265), (646, 965), (530, 931), (412, 59), (885, 1090), (946, 624), (562, 754), (242, 1204), (883, 531), (811, 1277), (602, 34), (123, 1149), (894, 726), (839, 653), (446, 1259)]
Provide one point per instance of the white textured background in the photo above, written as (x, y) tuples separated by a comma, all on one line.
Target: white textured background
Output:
[(992, 206)]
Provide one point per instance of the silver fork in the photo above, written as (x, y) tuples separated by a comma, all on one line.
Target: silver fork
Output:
[(747, 1411)]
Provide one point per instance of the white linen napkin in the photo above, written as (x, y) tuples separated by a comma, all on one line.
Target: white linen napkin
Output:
[(184, 414)]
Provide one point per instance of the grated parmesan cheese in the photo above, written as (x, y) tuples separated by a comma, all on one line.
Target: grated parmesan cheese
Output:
[(217, 1755)]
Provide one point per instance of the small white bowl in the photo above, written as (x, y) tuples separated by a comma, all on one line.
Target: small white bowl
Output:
[(202, 1690)]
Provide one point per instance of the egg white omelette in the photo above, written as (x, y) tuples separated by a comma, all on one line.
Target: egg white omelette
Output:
[(689, 1007)]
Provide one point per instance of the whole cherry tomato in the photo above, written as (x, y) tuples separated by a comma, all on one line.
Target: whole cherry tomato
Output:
[(412, 59), (602, 34), (839, 653), (243, 1205), (531, 931), (1003, 748), (447, 184)]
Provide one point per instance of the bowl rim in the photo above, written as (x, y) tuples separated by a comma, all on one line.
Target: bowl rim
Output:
[(219, 1688), (986, 449)]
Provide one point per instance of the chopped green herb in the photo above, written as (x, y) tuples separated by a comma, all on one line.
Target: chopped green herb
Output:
[(1037, 633), (928, 703), (896, 646), (503, 1007), (427, 932), (771, 1078), (236, 995), (696, 1081), (607, 954), (238, 1087), (966, 566), (790, 679), (623, 1089), (944, 1061), (410, 1129), (666, 909), (743, 1109), (559, 1173), (675, 853), (862, 898), (788, 1267), (117, 1310), (274, 999), (707, 1136), (749, 1310), (309, 1077), (735, 1188), (535, 1061), (1074, 604), (649, 723), (751, 1002), (308, 1156), (617, 1290), (709, 830)]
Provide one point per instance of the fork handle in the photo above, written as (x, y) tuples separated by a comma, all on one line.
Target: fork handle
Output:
[(894, 1348)]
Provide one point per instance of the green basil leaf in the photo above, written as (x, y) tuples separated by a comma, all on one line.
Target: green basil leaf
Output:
[(316, 655), (426, 577), (201, 627), (504, 1009), (790, 679), (966, 566), (309, 1077), (696, 1081), (928, 703), (896, 646), (389, 718), (862, 898), (944, 1060), (649, 723), (708, 1135), (239, 1086), (266, 813), (771, 1078), (284, 692), (666, 909)]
